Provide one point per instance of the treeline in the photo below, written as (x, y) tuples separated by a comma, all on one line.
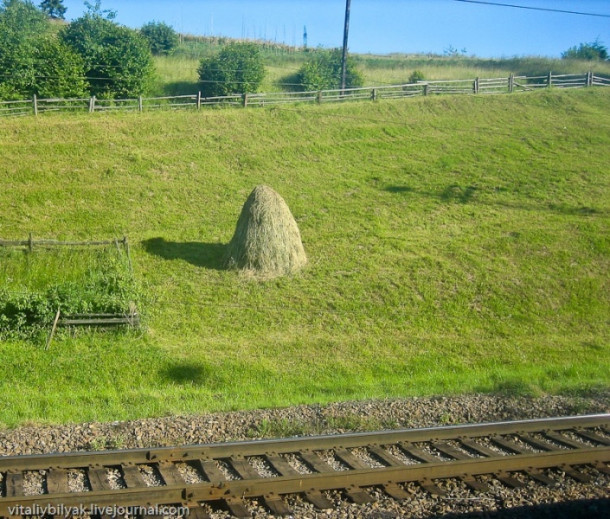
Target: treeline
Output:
[(92, 56), (95, 56)]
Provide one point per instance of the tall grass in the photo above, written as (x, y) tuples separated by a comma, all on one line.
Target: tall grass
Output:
[(177, 74)]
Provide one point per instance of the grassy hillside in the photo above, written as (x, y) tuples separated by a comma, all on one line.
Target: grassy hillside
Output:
[(177, 74), (456, 244)]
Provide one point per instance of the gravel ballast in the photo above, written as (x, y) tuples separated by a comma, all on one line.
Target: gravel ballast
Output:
[(592, 498)]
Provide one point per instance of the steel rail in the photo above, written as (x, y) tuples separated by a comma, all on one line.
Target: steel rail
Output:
[(592, 429), (257, 447)]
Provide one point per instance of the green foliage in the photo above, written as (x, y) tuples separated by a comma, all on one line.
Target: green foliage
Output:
[(117, 60), (36, 284), (33, 61), (58, 70), (53, 8), (323, 72), (162, 38), (21, 23), (595, 50), (237, 69), (416, 75)]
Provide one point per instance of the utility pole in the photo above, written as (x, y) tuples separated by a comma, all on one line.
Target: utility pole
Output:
[(344, 58)]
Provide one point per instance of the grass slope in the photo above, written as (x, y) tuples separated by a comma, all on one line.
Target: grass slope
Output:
[(177, 74), (456, 244)]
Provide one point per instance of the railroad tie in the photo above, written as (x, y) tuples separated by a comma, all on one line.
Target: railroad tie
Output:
[(396, 492), (591, 436), (237, 507), (211, 471), (98, 478), (14, 484), (315, 462), (243, 468), (276, 504), (319, 500), (575, 474), (57, 481), (281, 465), (170, 474), (385, 457), (561, 439), (132, 476), (454, 453), (196, 512)]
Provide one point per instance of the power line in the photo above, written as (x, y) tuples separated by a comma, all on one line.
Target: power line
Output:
[(533, 8)]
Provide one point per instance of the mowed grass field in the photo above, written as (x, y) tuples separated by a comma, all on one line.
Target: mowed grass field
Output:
[(456, 245)]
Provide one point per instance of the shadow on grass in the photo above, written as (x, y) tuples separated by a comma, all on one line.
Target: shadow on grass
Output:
[(180, 88), (467, 194), (187, 373), (207, 255)]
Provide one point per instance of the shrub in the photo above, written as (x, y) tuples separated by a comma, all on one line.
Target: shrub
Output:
[(587, 51), (33, 61), (117, 60), (416, 75), (238, 68), (323, 72), (162, 38), (58, 70)]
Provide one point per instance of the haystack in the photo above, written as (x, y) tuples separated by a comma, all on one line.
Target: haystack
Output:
[(267, 241)]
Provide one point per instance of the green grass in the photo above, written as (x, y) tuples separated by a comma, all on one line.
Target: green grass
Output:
[(35, 284), (456, 245), (177, 74)]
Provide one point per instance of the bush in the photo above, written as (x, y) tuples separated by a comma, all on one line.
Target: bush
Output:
[(58, 70), (587, 51), (117, 60), (161, 37), (238, 68), (416, 75), (32, 61), (323, 72), (20, 26)]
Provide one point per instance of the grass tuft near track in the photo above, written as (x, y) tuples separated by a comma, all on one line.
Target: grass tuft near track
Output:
[(456, 244)]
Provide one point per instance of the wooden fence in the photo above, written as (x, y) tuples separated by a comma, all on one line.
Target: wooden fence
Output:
[(508, 84)]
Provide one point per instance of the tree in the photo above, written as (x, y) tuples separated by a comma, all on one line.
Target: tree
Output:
[(238, 68), (32, 61), (117, 60), (53, 8), (58, 70), (162, 38), (323, 72), (587, 51)]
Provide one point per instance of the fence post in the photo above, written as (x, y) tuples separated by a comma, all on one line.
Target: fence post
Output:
[(35, 104), (589, 78), (319, 97), (140, 104), (199, 100), (92, 104), (550, 80), (511, 83), (374, 94), (475, 86), (425, 89), (245, 100)]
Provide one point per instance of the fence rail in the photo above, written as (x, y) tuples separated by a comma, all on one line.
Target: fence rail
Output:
[(508, 84)]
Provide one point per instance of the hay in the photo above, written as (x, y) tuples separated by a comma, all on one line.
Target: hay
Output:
[(267, 242)]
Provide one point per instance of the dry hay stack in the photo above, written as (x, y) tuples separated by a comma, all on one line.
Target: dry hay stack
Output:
[(267, 241)]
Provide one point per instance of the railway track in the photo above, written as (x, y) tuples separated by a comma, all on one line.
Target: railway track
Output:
[(179, 480)]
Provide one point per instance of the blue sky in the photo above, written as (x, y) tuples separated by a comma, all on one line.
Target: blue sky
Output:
[(380, 26)]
